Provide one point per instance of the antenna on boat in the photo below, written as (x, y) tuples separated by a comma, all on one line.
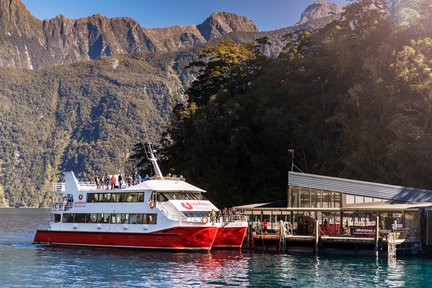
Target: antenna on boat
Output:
[(150, 154)]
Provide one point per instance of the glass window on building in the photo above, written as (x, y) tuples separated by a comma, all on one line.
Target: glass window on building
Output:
[(411, 220), (336, 200), (326, 199), (294, 196), (305, 197)]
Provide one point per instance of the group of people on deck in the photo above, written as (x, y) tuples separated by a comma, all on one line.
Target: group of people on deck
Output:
[(114, 182)]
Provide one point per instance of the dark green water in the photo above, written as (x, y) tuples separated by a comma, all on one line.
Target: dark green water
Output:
[(25, 265)]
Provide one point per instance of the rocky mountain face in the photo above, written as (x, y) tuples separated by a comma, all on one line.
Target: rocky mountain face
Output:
[(86, 115), (320, 10), (26, 42)]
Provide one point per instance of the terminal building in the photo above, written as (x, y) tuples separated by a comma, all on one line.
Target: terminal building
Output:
[(330, 213)]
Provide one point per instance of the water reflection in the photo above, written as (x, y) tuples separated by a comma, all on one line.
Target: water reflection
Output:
[(26, 265)]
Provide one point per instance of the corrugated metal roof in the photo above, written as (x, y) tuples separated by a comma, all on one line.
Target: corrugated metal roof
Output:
[(360, 188)]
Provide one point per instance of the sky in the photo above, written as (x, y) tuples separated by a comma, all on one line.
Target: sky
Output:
[(266, 14)]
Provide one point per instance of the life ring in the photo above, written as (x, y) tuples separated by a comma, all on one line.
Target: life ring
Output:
[(204, 220), (337, 218), (151, 204)]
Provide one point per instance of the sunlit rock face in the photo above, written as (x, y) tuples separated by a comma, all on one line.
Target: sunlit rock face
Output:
[(319, 10), (27, 42)]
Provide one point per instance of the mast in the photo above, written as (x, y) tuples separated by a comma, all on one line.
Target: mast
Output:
[(152, 158)]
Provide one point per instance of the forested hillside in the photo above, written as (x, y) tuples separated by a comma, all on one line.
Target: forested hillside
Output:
[(83, 117), (353, 99)]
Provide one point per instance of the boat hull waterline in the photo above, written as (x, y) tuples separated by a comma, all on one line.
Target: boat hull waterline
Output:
[(179, 238), (229, 237)]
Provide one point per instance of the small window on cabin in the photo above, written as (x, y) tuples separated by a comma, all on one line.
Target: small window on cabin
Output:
[(140, 218), (92, 197), (115, 197), (131, 197), (67, 218), (116, 218), (133, 219), (124, 218), (141, 197), (92, 218), (150, 218), (106, 197), (161, 197), (104, 218), (79, 218), (57, 218)]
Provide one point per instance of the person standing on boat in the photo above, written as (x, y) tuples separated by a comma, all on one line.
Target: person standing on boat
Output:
[(146, 178), (137, 179), (120, 181), (129, 181), (107, 181), (265, 226), (101, 182), (212, 216), (96, 178), (113, 181)]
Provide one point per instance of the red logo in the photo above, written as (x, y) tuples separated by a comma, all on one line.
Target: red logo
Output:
[(80, 197), (187, 206)]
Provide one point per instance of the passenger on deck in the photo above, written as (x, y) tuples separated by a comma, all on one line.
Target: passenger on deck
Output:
[(265, 225), (113, 181), (146, 178), (120, 181), (137, 179), (129, 181), (212, 216), (107, 182), (96, 178)]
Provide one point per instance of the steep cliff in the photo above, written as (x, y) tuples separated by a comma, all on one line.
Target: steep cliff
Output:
[(320, 10), (26, 42)]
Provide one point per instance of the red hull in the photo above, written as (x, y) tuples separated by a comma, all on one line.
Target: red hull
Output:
[(230, 237), (180, 238)]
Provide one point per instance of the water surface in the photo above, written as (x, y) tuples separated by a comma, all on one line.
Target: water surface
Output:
[(23, 264)]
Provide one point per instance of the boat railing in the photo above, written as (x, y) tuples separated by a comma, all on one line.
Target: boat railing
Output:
[(61, 206), (233, 218), (169, 177), (60, 187), (87, 185)]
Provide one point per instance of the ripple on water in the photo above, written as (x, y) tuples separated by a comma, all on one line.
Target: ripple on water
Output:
[(26, 265)]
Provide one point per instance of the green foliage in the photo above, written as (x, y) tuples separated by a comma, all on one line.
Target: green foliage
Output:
[(353, 100)]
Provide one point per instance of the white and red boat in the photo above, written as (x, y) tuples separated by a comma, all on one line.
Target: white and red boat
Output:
[(161, 213)]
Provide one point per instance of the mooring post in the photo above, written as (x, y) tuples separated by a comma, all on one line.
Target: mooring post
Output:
[(377, 234), (316, 234)]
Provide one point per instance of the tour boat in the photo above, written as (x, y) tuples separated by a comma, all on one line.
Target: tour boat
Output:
[(160, 213)]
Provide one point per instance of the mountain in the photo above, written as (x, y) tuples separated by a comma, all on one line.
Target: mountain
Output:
[(26, 42), (319, 11), (90, 86)]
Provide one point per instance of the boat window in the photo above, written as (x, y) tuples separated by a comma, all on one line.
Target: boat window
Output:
[(92, 218), (104, 218), (179, 195), (131, 197), (106, 197), (92, 197), (117, 218), (195, 213), (57, 218), (67, 218), (115, 197), (79, 218), (141, 197)]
